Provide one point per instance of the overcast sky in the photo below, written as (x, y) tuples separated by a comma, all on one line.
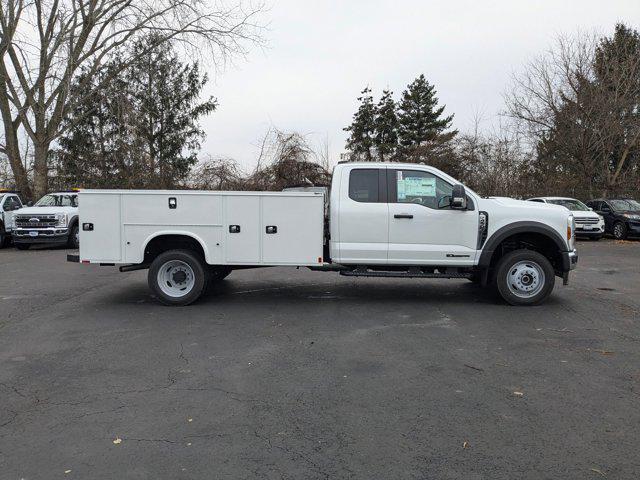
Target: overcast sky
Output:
[(320, 54)]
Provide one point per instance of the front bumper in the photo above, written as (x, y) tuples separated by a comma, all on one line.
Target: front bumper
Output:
[(40, 235), (569, 261), (589, 233)]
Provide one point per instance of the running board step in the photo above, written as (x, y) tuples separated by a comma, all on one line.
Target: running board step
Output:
[(412, 273)]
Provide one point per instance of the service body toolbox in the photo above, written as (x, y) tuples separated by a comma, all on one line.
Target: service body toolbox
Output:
[(233, 228)]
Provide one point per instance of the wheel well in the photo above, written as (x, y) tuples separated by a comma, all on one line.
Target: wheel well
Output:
[(538, 242), (163, 243)]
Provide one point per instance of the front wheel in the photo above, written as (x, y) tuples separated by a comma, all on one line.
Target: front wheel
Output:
[(177, 277), (524, 277), (74, 237), (620, 231)]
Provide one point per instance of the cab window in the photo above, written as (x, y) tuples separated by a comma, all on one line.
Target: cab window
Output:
[(364, 185), (419, 187), (11, 203)]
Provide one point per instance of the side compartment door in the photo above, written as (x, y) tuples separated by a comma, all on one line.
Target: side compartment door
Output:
[(242, 229), (363, 216), (422, 230), (292, 230)]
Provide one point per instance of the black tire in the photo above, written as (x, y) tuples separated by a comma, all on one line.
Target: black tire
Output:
[(23, 246), (74, 240), (218, 273), (4, 240), (619, 231), (526, 266), (199, 281)]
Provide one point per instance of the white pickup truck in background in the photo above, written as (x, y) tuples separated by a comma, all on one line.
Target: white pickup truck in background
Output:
[(10, 202), (53, 220), (385, 220)]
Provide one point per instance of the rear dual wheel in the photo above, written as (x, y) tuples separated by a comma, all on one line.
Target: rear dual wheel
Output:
[(179, 277)]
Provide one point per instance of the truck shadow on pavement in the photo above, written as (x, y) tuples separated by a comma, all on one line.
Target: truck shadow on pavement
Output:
[(340, 292)]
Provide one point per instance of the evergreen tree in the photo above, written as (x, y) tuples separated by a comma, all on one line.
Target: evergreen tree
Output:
[(386, 127), (362, 128), (419, 116), (141, 129)]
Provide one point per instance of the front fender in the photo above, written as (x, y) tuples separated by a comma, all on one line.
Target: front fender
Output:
[(514, 228)]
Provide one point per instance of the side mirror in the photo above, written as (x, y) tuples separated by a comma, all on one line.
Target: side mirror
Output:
[(458, 198), (29, 204)]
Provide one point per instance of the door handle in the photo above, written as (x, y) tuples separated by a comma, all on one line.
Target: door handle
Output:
[(402, 215)]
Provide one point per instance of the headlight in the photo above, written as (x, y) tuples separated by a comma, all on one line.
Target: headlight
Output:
[(600, 218), (61, 219), (633, 217)]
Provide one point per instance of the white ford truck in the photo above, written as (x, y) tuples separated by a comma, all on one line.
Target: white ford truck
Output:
[(385, 220), (53, 219)]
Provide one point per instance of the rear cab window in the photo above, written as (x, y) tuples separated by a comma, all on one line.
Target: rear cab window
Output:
[(364, 185)]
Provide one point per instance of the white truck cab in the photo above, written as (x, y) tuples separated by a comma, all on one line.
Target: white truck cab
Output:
[(589, 224), (10, 202), (385, 220), (52, 219)]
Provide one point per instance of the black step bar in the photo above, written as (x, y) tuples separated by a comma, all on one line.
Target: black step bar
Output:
[(411, 273)]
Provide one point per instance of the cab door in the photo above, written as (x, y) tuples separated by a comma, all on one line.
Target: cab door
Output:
[(423, 230), (10, 205), (363, 218)]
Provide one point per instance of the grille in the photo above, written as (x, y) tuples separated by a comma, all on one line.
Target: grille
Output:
[(35, 221), (586, 221)]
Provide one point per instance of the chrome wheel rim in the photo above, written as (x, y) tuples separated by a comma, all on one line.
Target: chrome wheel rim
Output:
[(525, 279), (176, 278), (77, 236)]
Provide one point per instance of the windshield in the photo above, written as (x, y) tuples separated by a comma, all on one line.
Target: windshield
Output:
[(58, 201), (571, 204), (625, 205)]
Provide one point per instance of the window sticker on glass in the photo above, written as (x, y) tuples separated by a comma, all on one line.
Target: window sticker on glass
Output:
[(420, 186)]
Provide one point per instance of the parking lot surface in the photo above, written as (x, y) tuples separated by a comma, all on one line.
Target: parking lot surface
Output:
[(291, 374)]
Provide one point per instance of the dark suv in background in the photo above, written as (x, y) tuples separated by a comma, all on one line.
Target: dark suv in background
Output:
[(621, 215)]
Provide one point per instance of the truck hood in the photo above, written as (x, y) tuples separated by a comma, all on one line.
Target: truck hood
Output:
[(523, 204), (46, 211)]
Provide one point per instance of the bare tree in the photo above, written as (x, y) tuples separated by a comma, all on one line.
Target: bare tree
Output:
[(44, 43), (284, 160), (217, 174), (578, 105)]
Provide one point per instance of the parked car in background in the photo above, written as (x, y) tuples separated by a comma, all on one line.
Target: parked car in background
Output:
[(53, 219), (589, 224), (9, 202), (621, 215)]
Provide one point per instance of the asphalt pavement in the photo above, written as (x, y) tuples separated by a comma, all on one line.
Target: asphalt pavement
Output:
[(292, 374)]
